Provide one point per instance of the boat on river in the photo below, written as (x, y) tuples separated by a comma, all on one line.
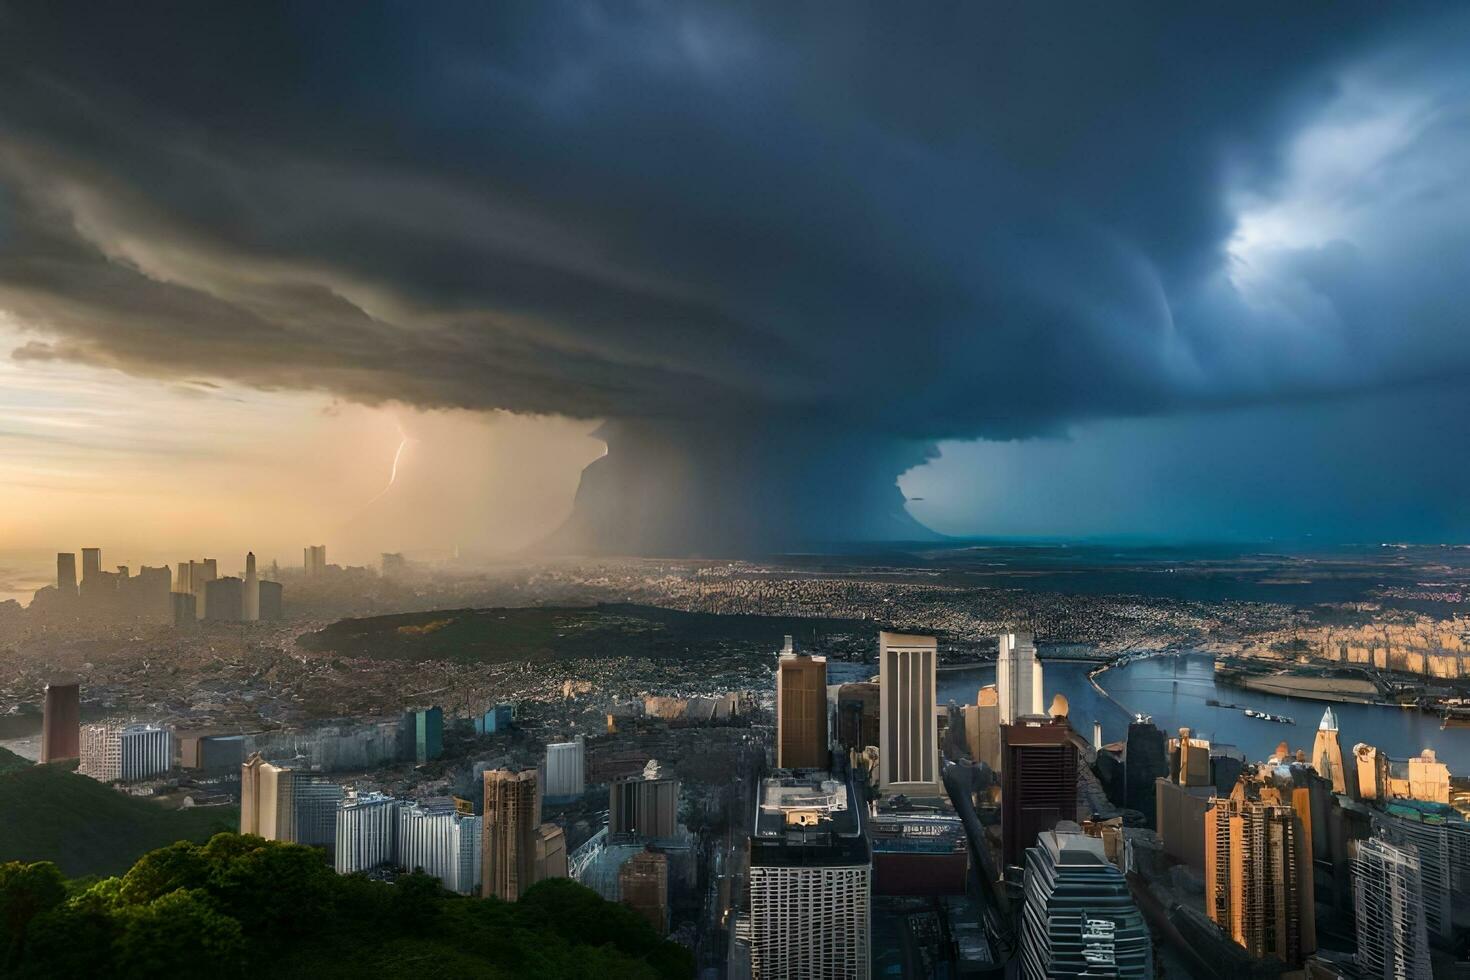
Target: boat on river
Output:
[(1263, 716)]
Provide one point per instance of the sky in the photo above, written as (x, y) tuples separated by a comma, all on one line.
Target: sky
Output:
[(775, 274)]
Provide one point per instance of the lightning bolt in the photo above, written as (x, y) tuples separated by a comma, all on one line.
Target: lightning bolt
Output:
[(393, 473)]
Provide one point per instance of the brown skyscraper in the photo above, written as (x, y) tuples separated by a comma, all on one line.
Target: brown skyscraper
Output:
[(512, 819), (801, 710), (982, 728), (1038, 782), (643, 885), (61, 725)]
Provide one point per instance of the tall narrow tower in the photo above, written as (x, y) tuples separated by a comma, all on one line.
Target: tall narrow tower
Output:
[(1018, 677), (66, 574), (512, 814), (1327, 757), (1388, 898), (908, 735), (251, 599), (91, 562), (801, 710)]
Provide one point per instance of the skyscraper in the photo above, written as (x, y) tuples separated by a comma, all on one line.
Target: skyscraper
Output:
[(1388, 902), (91, 562), (857, 715), (810, 882), (1327, 755), (1440, 838), (66, 574), (566, 769), (1258, 875), (284, 804), (271, 601), (315, 560), (1145, 759), (1018, 679), (1080, 919), (421, 735), (512, 816), (1193, 758), (1372, 766), (801, 710), (251, 598), (643, 886), (443, 843), (1038, 782), (982, 727), (125, 753), (643, 807), (61, 721), (908, 738), (366, 832), (224, 600)]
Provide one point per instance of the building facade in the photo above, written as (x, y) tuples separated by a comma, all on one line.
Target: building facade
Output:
[(1018, 679), (366, 832), (288, 805), (1258, 876), (1145, 760), (643, 807), (512, 816), (908, 738), (61, 721), (566, 770), (442, 843), (1388, 903), (1327, 756), (801, 710), (643, 886), (125, 753), (1038, 783)]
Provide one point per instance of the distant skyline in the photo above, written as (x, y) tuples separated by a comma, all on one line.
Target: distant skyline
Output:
[(1169, 273)]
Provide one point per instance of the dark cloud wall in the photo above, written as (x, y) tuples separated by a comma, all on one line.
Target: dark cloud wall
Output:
[(895, 222)]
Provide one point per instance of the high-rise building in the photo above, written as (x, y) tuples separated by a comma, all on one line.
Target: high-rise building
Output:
[(61, 721), (908, 739), (210, 753), (643, 807), (251, 598), (810, 882), (643, 886), (1145, 760), (125, 753), (443, 843), (91, 562), (366, 832), (1190, 758), (858, 715), (284, 804), (1258, 875), (1038, 782), (566, 770), (1327, 755), (1080, 919), (1180, 820), (1388, 903), (801, 710), (315, 557), (1429, 779), (551, 852), (1018, 680), (421, 734), (185, 608), (66, 574), (1440, 837), (512, 816), (1372, 766), (982, 727), (224, 600), (272, 606)]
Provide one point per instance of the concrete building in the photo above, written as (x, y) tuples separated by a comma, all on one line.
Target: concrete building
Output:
[(551, 852), (250, 600), (366, 832), (1080, 919), (566, 770), (512, 816), (643, 886), (125, 753), (91, 563), (810, 882), (919, 851), (224, 600), (1372, 766), (1429, 779), (1038, 782), (1258, 877), (858, 707), (66, 575), (982, 727), (1180, 820), (643, 807), (801, 710), (441, 842), (1145, 761), (278, 803), (315, 560), (421, 734), (272, 604), (211, 754), (1388, 902), (1440, 838), (1018, 680), (185, 608), (908, 739), (1190, 758), (1327, 755), (61, 721)]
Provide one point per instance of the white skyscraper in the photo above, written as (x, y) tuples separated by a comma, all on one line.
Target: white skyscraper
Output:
[(566, 770), (251, 599), (442, 843), (366, 829), (908, 733), (1018, 678), (1388, 898)]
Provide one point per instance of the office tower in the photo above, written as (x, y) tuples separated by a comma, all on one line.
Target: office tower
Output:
[(315, 559), (643, 807), (441, 842), (366, 832), (182, 581), (1388, 903), (801, 710), (908, 739), (66, 574), (643, 886), (810, 882), (251, 599), (1018, 680), (1038, 782), (224, 600), (185, 608), (1180, 820), (857, 715), (1327, 754), (61, 721), (199, 575), (91, 562), (421, 735), (271, 601), (512, 816), (148, 594), (1145, 760), (982, 727), (125, 753), (210, 753), (1079, 918), (566, 770), (1440, 838), (284, 804), (1258, 874), (1192, 760), (551, 852)]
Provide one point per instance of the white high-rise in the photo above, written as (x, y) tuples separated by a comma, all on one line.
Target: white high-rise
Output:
[(908, 733), (443, 843), (1018, 677), (125, 753), (366, 830), (1388, 898), (566, 770)]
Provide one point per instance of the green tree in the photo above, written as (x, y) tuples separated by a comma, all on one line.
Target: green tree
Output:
[(26, 891), (181, 932)]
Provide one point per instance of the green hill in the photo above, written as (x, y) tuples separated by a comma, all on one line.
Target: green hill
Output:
[(85, 828), (10, 762)]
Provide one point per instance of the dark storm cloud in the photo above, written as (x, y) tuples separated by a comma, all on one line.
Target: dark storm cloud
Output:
[(961, 220)]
